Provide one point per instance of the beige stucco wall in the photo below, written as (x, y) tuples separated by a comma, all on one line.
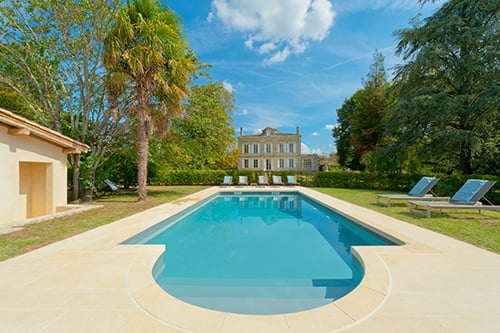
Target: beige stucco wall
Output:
[(32, 176)]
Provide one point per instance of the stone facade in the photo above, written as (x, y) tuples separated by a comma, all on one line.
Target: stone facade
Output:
[(272, 150)]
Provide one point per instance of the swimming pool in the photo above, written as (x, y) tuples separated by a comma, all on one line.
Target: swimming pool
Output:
[(258, 253)]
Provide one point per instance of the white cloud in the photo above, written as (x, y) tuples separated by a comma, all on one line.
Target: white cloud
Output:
[(279, 28), (306, 150), (228, 86), (210, 17), (315, 134), (329, 127)]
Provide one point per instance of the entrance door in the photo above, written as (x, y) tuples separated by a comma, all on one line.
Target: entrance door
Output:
[(35, 188)]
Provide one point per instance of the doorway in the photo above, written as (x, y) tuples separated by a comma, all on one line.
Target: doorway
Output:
[(35, 188), (268, 165)]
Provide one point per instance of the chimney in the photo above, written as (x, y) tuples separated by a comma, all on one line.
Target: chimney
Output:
[(297, 129), (241, 131)]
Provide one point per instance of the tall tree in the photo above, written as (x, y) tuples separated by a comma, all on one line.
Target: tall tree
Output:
[(360, 128), (343, 136), (50, 56), (449, 87), (148, 60), (203, 137), (377, 76), (11, 100)]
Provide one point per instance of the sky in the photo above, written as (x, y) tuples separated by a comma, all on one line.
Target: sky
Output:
[(293, 63)]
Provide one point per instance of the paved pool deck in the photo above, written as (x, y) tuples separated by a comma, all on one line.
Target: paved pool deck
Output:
[(92, 283)]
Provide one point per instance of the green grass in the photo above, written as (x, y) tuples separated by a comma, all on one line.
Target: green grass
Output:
[(482, 230), (115, 207)]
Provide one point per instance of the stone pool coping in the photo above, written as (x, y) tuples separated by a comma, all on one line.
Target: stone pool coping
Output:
[(91, 282)]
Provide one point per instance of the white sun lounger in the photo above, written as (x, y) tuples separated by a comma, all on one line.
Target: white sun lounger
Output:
[(242, 180), (263, 180), (277, 180)]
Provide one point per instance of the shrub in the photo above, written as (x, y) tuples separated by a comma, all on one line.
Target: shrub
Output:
[(447, 186)]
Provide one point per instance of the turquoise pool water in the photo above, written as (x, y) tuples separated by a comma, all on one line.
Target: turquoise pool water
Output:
[(258, 253)]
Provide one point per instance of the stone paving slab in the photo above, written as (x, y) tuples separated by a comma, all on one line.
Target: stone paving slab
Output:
[(93, 283)]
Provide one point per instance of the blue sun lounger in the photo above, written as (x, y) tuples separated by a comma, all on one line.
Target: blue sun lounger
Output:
[(291, 180), (228, 180), (467, 197), (418, 192)]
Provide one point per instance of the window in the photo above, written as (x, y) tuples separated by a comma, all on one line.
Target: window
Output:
[(291, 147), (246, 149), (281, 147), (255, 164), (245, 164), (281, 163), (268, 148), (256, 148), (307, 164), (269, 164), (291, 163)]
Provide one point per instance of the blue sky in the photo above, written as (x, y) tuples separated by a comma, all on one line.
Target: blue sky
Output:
[(293, 62)]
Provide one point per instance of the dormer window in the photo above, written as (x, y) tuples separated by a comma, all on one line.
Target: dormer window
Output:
[(268, 131)]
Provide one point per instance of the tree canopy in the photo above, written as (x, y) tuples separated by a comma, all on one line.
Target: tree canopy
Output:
[(442, 107), (203, 138), (360, 127), (149, 62), (448, 85), (50, 58)]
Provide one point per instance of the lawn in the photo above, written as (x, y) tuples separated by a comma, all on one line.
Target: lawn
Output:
[(481, 230), (114, 207)]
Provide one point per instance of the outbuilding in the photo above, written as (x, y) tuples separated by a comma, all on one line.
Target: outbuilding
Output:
[(33, 168)]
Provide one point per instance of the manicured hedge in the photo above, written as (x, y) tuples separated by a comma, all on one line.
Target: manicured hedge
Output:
[(190, 177), (447, 185)]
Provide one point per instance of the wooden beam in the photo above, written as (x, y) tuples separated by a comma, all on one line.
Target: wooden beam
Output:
[(18, 131), (72, 151)]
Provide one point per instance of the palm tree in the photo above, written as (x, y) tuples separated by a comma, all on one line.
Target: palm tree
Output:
[(148, 62)]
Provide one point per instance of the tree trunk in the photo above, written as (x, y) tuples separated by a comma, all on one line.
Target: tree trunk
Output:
[(76, 174), (142, 151), (465, 160), (89, 195)]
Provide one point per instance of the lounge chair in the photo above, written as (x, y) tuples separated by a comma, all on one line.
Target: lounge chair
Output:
[(242, 180), (263, 180), (277, 180), (291, 180), (112, 186), (418, 192), (228, 180), (467, 197)]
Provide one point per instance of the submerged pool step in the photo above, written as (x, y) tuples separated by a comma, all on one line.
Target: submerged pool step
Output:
[(249, 296), (256, 292), (264, 289), (252, 305), (204, 281)]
